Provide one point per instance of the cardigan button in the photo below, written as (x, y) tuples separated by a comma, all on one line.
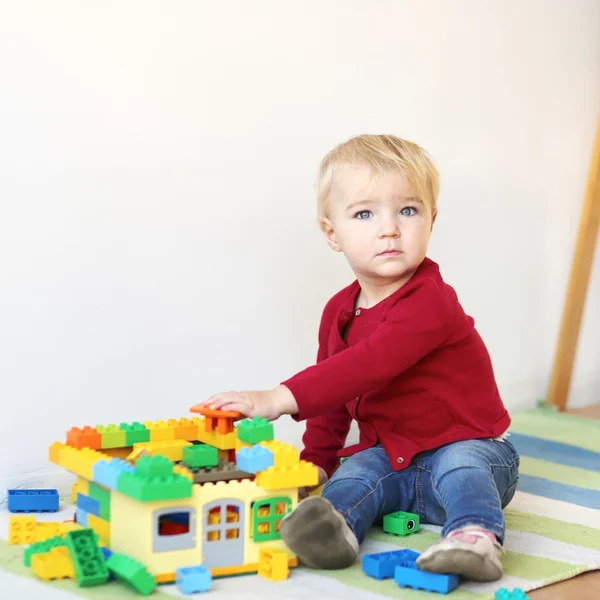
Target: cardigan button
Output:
[(357, 312), (400, 460)]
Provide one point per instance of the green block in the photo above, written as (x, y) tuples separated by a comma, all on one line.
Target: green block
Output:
[(154, 466), (112, 436), (88, 560), (101, 494), (42, 548), (255, 430), (271, 519), (137, 486), (200, 455), (131, 572), (135, 433), (401, 523)]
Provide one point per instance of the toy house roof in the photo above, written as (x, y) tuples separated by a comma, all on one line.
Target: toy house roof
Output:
[(162, 460)]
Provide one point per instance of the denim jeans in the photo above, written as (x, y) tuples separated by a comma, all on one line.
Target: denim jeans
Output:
[(459, 484)]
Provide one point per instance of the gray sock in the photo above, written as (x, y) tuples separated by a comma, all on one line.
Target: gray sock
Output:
[(319, 535)]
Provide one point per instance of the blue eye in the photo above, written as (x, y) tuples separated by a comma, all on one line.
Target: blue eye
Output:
[(408, 211), (363, 214)]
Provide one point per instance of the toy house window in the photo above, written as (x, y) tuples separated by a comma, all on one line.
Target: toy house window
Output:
[(266, 518), (223, 523), (174, 529)]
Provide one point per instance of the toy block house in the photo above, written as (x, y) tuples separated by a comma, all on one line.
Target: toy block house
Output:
[(185, 492)]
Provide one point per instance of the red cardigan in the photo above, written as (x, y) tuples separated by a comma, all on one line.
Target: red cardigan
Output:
[(414, 373)]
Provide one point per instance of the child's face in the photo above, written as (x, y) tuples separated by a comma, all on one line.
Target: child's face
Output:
[(378, 223)]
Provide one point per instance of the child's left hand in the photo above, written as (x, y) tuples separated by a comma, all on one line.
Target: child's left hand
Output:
[(269, 404)]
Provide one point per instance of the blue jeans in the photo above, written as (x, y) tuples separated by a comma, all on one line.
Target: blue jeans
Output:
[(459, 484)]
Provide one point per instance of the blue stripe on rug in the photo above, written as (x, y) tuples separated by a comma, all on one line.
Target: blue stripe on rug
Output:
[(556, 452), (559, 491)]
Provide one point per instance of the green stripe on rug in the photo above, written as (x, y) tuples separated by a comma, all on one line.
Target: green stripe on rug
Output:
[(560, 531), (560, 427), (11, 560), (575, 476)]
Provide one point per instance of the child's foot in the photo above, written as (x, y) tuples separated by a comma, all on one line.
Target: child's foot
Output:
[(472, 552), (319, 535)]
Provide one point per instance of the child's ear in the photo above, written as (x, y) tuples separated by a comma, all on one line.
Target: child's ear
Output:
[(330, 236), (433, 218)]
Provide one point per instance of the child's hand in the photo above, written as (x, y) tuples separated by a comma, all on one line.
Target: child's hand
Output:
[(305, 491), (269, 404)]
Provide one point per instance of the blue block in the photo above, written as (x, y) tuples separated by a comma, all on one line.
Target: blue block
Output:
[(90, 505), (193, 579), (107, 473), (383, 564), (81, 517), (33, 500), (411, 576), (107, 554), (255, 459)]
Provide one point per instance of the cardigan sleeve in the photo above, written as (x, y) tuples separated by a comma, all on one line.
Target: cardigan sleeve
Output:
[(415, 326)]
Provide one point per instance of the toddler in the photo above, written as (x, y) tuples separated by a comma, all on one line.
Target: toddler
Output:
[(398, 354)]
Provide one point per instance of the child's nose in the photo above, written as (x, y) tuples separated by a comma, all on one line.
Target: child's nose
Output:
[(390, 229)]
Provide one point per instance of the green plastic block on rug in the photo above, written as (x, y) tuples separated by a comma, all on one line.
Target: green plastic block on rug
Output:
[(153, 479), (401, 523), (88, 560), (255, 430), (136, 433), (200, 455), (131, 572)]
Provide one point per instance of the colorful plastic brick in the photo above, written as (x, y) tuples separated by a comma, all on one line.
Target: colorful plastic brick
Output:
[(254, 459), (107, 472), (33, 500), (112, 436), (22, 530), (131, 572), (224, 471), (56, 564), (84, 437), (278, 478), (505, 594), (200, 455), (88, 560), (401, 523), (255, 430), (107, 553), (408, 575), (41, 548), (90, 505), (153, 479), (191, 580), (382, 565), (135, 433), (102, 495), (273, 564)]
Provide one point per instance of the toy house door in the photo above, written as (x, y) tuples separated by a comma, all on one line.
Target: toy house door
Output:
[(223, 533)]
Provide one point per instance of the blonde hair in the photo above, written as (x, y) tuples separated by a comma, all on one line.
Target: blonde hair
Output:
[(384, 154)]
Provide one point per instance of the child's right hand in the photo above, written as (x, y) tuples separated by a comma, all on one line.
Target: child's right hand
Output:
[(305, 491)]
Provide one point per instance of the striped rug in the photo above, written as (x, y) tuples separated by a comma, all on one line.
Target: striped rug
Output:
[(553, 532)]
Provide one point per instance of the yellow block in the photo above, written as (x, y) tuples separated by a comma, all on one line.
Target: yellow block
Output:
[(300, 475), (101, 527), (181, 470), (21, 530), (80, 461), (49, 529), (160, 431), (171, 449), (285, 454), (273, 564), (55, 564), (213, 438)]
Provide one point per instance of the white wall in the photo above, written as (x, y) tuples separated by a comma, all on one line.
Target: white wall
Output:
[(157, 234)]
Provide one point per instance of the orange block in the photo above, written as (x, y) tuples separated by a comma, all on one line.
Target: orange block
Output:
[(221, 420), (87, 437)]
